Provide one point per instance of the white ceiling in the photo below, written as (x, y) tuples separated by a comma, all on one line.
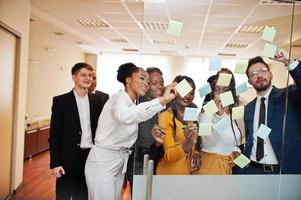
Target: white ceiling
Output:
[(208, 25)]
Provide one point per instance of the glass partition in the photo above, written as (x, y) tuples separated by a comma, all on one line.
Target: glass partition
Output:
[(203, 142)]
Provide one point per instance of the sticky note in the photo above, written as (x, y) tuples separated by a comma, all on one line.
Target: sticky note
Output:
[(238, 112), (215, 64), (220, 126), (263, 132), (190, 114), (241, 88), (224, 79), (210, 108), (241, 67), (183, 88), (241, 161), (269, 50), (205, 89), (174, 28), (268, 34), (205, 129), (226, 98)]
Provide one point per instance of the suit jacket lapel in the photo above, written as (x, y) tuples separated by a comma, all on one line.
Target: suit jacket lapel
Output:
[(73, 105), (270, 108), (92, 115)]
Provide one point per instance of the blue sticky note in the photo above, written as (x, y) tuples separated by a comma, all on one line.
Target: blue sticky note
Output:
[(220, 126), (226, 98), (215, 64), (205, 89), (190, 114), (263, 132), (241, 88)]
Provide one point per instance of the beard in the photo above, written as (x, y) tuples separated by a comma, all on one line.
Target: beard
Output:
[(260, 88)]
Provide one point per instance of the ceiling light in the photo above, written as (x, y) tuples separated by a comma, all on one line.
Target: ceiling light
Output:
[(130, 50), (117, 40), (226, 54), (158, 26), (236, 45), (92, 23), (164, 42), (251, 29)]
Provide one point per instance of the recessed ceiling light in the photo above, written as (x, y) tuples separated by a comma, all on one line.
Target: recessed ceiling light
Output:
[(164, 42), (92, 23), (226, 54), (117, 40), (236, 45), (130, 50), (58, 33), (251, 29)]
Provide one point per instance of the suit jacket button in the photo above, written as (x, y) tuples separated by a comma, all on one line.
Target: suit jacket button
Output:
[(78, 144), (79, 132)]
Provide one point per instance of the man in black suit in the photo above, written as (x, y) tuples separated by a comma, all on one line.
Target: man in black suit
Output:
[(73, 124), (103, 97)]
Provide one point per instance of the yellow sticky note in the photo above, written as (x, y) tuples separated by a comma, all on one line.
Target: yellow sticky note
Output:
[(241, 161), (269, 50), (226, 98), (205, 129), (210, 108), (174, 27), (238, 112), (224, 79), (183, 88), (268, 33), (241, 67)]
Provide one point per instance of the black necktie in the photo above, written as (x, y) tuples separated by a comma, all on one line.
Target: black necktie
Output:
[(259, 148)]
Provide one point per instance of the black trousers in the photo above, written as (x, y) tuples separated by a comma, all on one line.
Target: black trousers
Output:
[(73, 183)]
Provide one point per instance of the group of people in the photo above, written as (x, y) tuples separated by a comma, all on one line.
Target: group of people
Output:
[(92, 136)]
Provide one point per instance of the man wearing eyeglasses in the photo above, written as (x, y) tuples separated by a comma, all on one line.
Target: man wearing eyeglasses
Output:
[(268, 109)]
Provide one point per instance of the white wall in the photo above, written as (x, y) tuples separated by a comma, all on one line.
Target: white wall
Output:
[(15, 14), (49, 75)]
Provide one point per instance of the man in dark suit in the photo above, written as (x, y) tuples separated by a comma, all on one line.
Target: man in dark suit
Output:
[(277, 153), (103, 97), (72, 130)]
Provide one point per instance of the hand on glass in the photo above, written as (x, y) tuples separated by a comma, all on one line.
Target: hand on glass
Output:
[(283, 56), (191, 132), (169, 94)]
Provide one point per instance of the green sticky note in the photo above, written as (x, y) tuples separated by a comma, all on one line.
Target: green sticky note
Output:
[(205, 129), (238, 112), (183, 88), (210, 108), (224, 79), (174, 27), (226, 98), (241, 161), (269, 50), (268, 34), (241, 67)]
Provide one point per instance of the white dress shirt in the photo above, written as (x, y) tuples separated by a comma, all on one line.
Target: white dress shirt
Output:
[(220, 143), (118, 122), (83, 107), (269, 154)]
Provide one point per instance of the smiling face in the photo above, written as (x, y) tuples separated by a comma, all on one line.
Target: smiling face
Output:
[(138, 83), (83, 78), (259, 77), (156, 86)]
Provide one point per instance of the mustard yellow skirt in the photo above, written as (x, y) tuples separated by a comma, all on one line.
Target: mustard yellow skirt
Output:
[(215, 164)]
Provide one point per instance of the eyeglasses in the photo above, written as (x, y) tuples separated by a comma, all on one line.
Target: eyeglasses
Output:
[(262, 70)]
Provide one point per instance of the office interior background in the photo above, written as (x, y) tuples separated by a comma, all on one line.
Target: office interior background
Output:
[(40, 40)]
